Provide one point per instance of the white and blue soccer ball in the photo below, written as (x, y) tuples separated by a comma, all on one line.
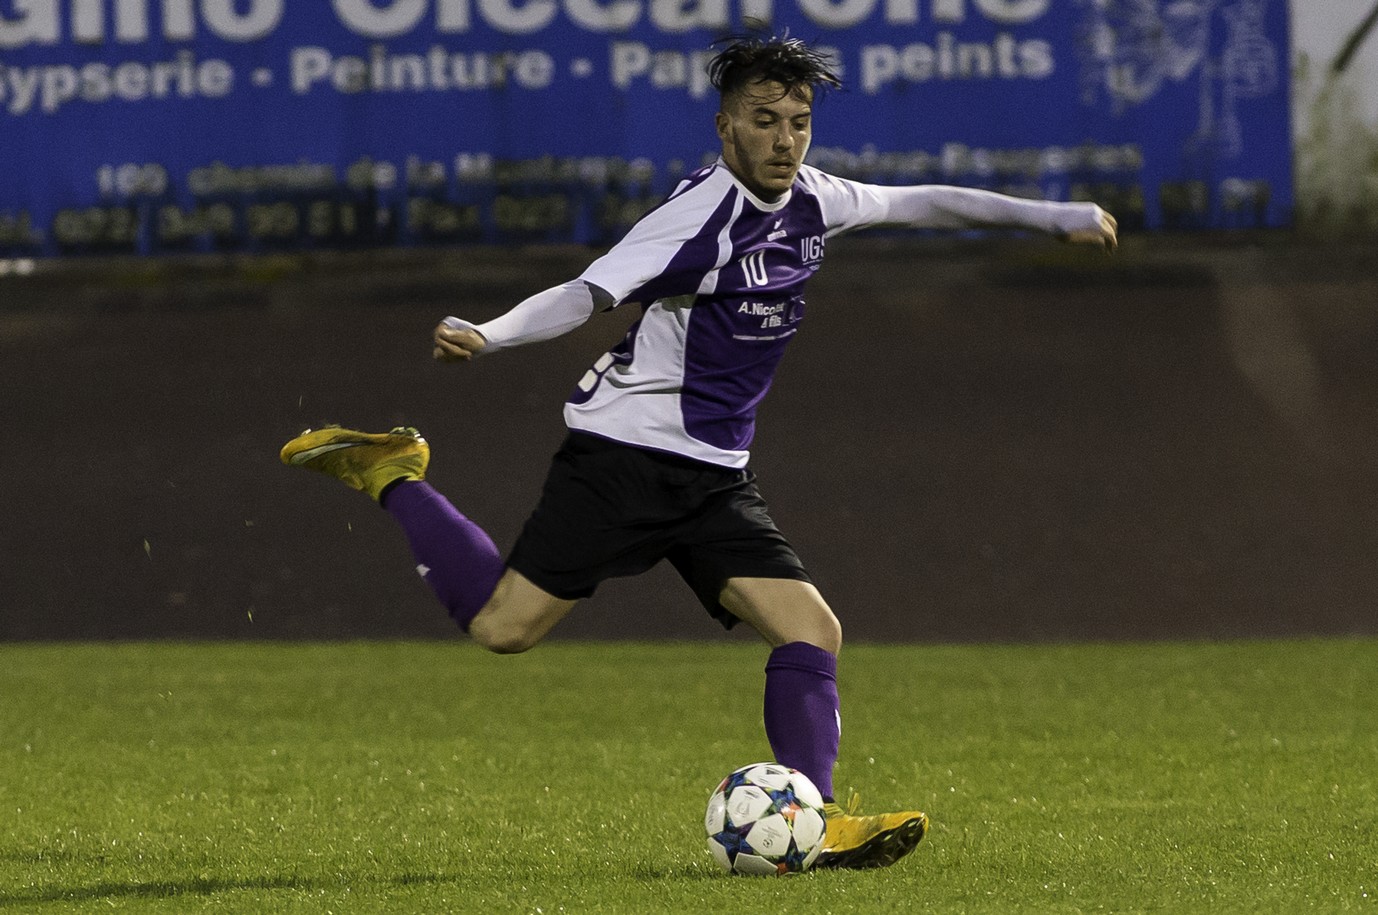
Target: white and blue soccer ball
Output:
[(765, 819)]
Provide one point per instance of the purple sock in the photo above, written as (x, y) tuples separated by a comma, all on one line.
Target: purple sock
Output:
[(803, 724), (454, 555)]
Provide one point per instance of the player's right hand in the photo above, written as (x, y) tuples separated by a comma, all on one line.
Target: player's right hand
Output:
[(456, 340)]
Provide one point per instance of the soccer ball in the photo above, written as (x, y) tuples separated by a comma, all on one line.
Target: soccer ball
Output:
[(765, 819)]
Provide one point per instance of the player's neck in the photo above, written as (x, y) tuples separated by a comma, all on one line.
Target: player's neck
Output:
[(762, 198)]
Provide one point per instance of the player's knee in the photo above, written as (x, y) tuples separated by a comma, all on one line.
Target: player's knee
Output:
[(500, 637), (828, 634), (821, 629)]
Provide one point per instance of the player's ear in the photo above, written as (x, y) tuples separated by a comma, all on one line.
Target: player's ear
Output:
[(723, 124)]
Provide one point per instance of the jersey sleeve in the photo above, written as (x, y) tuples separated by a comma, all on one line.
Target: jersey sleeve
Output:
[(849, 205), (671, 249), (846, 204), (543, 316)]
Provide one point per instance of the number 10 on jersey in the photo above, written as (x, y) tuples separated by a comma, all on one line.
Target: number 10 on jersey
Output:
[(754, 269)]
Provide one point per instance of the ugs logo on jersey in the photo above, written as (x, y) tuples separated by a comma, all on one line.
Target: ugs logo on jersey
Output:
[(754, 264)]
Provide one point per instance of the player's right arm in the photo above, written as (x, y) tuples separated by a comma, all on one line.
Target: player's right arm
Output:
[(669, 252), (543, 316)]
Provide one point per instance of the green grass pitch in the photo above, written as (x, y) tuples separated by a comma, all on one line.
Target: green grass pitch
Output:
[(431, 777)]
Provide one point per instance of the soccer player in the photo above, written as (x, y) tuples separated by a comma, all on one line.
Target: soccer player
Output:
[(655, 463)]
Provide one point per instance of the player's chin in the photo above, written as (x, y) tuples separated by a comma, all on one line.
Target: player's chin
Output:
[(778, 180)]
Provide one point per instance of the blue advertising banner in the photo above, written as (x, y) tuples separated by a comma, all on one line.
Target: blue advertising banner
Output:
[(207, 125)]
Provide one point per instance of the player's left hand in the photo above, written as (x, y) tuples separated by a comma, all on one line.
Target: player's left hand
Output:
[(1106, 234)]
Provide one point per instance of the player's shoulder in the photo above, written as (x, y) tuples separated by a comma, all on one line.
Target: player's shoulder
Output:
[(714, 178), (831, 194), (810, 175), (695, 201), (814, 180), (697, 193)]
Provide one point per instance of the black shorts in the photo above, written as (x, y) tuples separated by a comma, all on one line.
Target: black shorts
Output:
[(609, 510)]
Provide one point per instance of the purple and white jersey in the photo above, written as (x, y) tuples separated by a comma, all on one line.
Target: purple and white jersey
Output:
[(720, 276)]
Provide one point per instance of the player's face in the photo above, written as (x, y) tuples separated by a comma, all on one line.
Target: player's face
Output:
[(765, 132)]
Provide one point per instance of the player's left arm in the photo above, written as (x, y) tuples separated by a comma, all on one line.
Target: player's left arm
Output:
[(938, 206), (852, 205)]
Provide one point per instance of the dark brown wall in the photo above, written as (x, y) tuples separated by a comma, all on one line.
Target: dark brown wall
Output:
[(971, 440)]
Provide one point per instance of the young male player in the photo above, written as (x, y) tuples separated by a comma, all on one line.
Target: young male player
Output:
[(655, 464)]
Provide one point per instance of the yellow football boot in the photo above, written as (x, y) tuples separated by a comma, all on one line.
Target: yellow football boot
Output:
[(364, 461), (855, 841)]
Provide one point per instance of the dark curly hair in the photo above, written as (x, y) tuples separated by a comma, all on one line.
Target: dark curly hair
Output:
[(788, 61)]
